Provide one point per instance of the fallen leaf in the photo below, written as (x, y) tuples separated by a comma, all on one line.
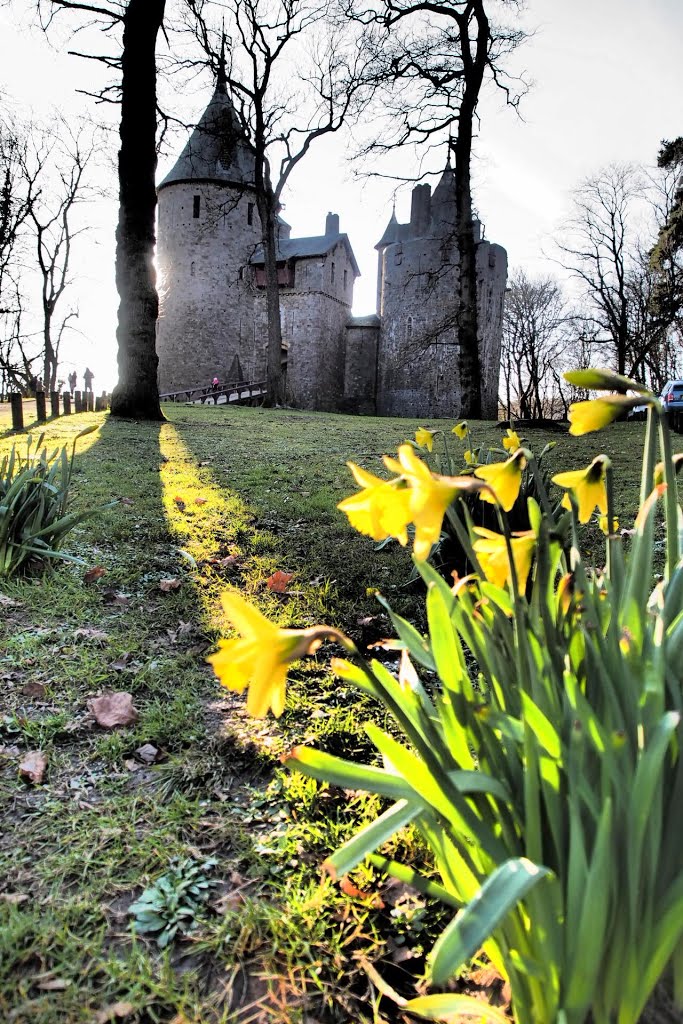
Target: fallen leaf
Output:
[(206, 462), (367, 620), (126, 501), (117, 1011), (179, 502), (113, 709), (53, 984), (200, 501), (124, 663), (33, 766), (9, 750), (14, 897), (9, 602), (90, 575), (131, 765), (147, 753), (33, 689), (88, 633), (278, 581), (347, 887), (115, 597), (228, 561), (168, 585)]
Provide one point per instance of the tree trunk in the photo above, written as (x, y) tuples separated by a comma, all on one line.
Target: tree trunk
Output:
[(137, 393), (468, 335), (49, 361), (268, 215)]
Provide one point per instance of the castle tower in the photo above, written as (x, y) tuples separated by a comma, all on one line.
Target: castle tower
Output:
[(208, 230), (418, 351)]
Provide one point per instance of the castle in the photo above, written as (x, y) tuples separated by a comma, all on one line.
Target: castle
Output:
[(401, 361)]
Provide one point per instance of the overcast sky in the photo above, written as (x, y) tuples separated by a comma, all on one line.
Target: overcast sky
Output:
[(608, 86)]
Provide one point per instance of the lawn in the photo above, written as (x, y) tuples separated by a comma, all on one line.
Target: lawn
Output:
[(211, 499)]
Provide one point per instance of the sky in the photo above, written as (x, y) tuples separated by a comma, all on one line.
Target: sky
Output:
[(607, 88)]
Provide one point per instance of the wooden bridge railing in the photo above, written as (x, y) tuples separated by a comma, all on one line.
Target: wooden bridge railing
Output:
[(236, 391)]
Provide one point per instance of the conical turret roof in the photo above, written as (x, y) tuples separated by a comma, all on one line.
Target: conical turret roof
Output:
[(443, 206), (391, 232), (216, 150)]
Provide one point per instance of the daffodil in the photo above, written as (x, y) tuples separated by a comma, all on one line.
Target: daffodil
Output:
[(586, 417), (469, 457), (461, 430), (587, 486), (492, 552), (505, 479), (430, 496), (512, 442), (602, 523), (381, 509), (258, 659), (424, 438)]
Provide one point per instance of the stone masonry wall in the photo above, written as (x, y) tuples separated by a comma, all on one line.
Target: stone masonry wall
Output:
[(360, 368), (206, 314)]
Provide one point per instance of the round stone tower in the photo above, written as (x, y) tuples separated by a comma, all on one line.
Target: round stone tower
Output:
[(208, 230)]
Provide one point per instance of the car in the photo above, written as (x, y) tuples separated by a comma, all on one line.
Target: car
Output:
[(672, 396)]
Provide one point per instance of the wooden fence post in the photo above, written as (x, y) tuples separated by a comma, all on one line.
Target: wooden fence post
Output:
[(78, 402), (66, 402), (54, 403), (17, 411), (41, 414), (89, 401)]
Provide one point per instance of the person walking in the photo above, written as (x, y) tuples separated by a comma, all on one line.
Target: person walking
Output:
[(73, 381), (88, 378)]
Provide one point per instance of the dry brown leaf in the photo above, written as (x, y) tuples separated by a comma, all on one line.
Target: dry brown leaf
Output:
[(14, 897), (32, 767), (117, 1011), (90, 575), (278, 581), (88, 633), (347, 887), (116, 597), (126, 501), (9, 602), (114, 709), (131, 765), (168, 585), (33, 690), (180, 502), (147, 753), (53, 984), (200, 501)]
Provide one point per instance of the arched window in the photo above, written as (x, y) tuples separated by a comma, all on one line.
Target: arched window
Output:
[(192, 268), (196, 203)]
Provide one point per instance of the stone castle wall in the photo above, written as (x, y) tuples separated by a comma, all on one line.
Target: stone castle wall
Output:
[(206, 314)]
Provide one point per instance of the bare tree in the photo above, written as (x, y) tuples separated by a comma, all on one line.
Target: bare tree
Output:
[(537, 330), (64, 155), (434, 56), (294, 79), (607, 249)]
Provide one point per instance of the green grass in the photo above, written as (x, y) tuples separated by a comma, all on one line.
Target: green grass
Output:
[(277, 943)]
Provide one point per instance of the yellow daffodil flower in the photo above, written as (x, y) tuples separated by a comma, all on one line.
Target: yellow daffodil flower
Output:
[(470, 458), (512, 442), (602, 523), (381, 509), (505, 478), (586, 417), (587, 486), (492, 552), (424, 438), (259, 658), (430, 496), (461, 430)]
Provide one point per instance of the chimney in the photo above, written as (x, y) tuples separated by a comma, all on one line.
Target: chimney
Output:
[(332, 224), (420, 213)]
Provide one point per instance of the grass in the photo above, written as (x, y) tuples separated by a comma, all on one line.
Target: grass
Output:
[(211, 499)]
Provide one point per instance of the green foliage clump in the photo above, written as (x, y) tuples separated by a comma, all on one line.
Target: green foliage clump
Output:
[(34, 493), (172, 903)]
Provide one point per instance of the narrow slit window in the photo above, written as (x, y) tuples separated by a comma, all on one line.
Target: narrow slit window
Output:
[(346, 276), (332, 273), (196, 203), (192, 269), (250, 213)]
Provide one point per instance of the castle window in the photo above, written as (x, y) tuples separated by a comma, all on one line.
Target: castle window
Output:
[(409, 328), (196, 201), (250, 213), (332, 273), (346, 276), (192, 268)]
